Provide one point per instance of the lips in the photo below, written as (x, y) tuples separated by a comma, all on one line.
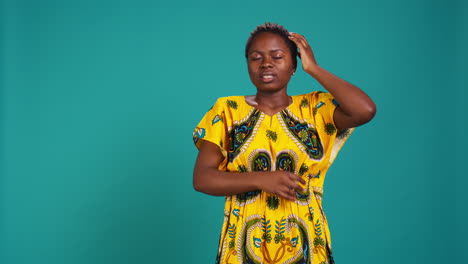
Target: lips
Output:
[(267, 76)]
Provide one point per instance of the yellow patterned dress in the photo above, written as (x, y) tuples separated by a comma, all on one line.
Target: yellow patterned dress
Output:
[(260, 227)]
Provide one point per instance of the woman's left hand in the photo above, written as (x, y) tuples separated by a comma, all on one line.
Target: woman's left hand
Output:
[(305, 52), (356, 108)]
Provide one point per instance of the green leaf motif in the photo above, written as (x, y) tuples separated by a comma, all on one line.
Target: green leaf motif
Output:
[(232, 104), (278, 238), (303, 169), (266, 229), (304, 135), (318, 228), (272, 135), (304, 103), (241, 168), (318, 241), (273, 202), (343, 133), (259, 164), (330, 129), (266, 237), (232, 230), (280, 226), (240, 137), (265, 225)]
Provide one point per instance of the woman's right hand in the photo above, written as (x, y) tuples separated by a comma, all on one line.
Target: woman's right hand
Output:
[(281, 183), (207, 178)]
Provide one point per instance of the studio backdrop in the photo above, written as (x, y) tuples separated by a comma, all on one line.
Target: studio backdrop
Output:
[(99, 100)]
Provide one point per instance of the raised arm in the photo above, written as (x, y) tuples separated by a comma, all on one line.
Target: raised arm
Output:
[(356, 107), (207, 178)]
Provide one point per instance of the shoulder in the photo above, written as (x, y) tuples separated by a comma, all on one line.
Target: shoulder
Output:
[(231, 102), (315, 99), (315, 95)]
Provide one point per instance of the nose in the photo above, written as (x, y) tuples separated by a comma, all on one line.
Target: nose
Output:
[(266, 63)]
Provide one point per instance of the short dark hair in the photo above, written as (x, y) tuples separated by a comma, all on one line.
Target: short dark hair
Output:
[(275, 29)]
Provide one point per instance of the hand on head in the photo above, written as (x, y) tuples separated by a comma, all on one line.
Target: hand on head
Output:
[(305, 52)]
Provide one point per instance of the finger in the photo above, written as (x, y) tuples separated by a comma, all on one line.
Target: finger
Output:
[(292, 193), (301, 180), (295, 182), (298, 188), (302, 40), (296, 38), (294, 34), (296, 178), (304, 43), (288, 195)]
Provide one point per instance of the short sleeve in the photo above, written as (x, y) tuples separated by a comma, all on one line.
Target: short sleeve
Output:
[(212, 127), (322, 110)]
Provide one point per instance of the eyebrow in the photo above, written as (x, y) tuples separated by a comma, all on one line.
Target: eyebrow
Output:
[(269, 51)]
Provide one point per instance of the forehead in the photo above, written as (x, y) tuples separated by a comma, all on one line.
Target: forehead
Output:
[(267, 41)]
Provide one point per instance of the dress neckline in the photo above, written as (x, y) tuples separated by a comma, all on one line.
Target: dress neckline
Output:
[(263, 113)]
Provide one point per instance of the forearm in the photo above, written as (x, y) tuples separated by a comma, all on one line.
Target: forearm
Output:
[(207, 178), (220, 183), (353, 101)]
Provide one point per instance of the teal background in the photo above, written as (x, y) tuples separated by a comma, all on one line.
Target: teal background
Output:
[(99, 100)]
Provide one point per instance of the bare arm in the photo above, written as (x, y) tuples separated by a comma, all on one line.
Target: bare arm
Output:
[(207, 178), (356, 108)]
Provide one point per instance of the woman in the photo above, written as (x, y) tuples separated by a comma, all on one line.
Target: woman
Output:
[(268, 153)]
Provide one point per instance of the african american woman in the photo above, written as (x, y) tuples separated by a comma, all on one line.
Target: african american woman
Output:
[(268, 153)]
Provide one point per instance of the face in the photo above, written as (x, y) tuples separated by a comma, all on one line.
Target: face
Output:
[(269, 62)]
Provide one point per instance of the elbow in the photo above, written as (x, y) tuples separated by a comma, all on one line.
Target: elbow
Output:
[(198, 187), (205, 185), (365, 115), (199, 184), (369, 113)]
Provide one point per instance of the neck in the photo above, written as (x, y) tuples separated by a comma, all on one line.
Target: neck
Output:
[(279, 99)]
